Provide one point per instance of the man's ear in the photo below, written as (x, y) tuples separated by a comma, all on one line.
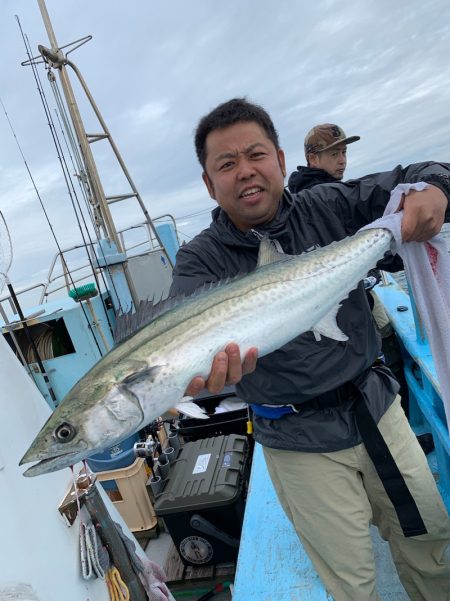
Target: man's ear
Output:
[(313, 160), (282, 161), (209, 185)]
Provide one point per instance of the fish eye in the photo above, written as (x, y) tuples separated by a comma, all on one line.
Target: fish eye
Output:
[(65, 432)]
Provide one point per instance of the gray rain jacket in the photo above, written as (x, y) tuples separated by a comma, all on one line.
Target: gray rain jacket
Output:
[(305, 368)]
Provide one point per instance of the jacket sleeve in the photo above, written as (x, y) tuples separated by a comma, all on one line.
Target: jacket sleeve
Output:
[(360, 201)]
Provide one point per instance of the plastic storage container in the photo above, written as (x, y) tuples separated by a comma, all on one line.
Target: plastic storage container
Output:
[(119, 456), (128, 492), (203, 500)]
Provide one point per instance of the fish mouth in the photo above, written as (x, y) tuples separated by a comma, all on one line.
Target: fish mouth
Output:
[(52, 464)]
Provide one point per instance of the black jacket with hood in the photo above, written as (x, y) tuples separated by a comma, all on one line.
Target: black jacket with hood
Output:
[(305, 368), (307, 177)]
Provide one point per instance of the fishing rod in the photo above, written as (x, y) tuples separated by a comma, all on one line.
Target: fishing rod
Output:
[(40, 90), (87, 171), (82, 182)]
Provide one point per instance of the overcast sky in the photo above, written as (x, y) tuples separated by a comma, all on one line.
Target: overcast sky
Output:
[(380, 69)]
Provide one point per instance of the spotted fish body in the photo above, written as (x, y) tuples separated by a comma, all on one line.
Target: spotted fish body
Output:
[(148, 373)]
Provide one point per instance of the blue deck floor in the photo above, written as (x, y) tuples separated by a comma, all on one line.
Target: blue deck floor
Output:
[(273, 565)]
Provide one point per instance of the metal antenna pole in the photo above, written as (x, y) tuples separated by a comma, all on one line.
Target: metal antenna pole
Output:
[(102, 212)]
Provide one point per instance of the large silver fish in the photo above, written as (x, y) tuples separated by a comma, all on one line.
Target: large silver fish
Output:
[(148, 373)]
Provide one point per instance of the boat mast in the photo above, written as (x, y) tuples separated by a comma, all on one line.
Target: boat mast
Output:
[(101, 209), (104, 222)]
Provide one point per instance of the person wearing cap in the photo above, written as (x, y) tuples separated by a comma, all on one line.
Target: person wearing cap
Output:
[(326, 157)]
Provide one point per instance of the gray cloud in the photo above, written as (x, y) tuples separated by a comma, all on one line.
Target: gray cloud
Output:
[(379, 69)]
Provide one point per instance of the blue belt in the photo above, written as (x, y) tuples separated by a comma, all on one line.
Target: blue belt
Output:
[(331, 398), (273, 411), (326, 400)]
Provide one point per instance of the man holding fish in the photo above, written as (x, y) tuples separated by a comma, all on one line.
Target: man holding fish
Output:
[(338, 447)]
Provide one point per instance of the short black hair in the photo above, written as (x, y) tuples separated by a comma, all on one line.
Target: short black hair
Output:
[(228, 113)]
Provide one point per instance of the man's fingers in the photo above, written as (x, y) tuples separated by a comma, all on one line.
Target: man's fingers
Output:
[(424, 214), (218, 375), (234, 373), (420, 230), (226, 368), (195, 387), (249, 363)]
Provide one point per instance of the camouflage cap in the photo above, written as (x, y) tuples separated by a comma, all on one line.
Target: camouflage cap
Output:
[(325, 136)]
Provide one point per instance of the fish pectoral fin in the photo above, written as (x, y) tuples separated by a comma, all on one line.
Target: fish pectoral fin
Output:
[(329, 328), (146, 373), (190, 409)]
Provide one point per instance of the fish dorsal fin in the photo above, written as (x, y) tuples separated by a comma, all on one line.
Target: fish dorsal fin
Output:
[(127, 324), (270, 251)]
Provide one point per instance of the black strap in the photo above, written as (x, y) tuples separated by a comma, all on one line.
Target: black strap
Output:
[(394, 484), (328, 399)]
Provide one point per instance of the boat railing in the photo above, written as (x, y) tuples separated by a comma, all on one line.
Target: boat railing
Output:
[(151, 239), (67, 269), (168, 218), (28, 295)]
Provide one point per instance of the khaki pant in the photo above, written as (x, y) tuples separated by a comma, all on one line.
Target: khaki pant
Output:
[(331, 498)]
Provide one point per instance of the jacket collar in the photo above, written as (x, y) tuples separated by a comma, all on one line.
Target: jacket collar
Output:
[(223, 227)]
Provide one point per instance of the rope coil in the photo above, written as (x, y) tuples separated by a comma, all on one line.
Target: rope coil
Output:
[(118, 590), (89, 552)]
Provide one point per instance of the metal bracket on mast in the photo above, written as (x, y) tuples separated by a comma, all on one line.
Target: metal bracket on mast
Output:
[(55, 58)]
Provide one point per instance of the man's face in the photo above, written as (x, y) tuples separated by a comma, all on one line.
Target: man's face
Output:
[(244, 173), (333, 161)]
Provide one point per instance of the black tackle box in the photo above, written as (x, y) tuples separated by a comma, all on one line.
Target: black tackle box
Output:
[(203, 499)]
